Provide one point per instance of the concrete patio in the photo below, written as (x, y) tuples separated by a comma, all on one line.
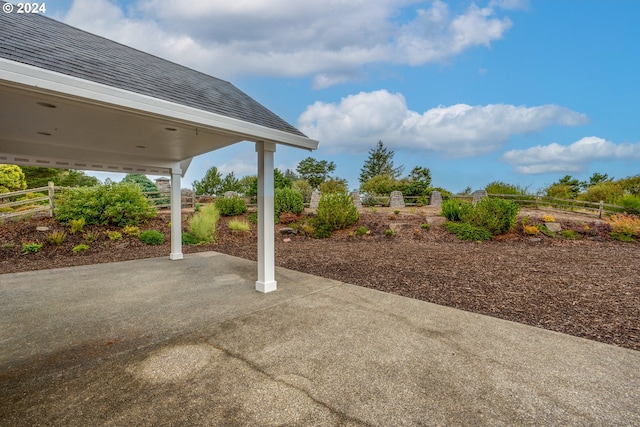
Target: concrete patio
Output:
[(155, 342)]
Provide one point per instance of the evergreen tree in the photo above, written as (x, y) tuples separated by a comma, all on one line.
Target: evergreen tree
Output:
[(11, 179), (230, 183), (315, 172), (379, 162), (210, 184)]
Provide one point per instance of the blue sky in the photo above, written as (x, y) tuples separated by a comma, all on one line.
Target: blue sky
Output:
[(518, 91)]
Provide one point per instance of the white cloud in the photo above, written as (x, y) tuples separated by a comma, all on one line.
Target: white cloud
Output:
[(571, 158), (330, 41), (359, 121)]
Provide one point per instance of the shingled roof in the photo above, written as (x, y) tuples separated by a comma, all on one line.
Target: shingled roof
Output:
[(42, 42)]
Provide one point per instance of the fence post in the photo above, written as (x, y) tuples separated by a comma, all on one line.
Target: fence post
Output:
[(600, 209), (51, 191)]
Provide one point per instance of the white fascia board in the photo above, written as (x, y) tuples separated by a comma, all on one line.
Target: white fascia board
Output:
[(39, 79)]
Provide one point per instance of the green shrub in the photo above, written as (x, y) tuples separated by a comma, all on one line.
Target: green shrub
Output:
[(239, 225), (118, 204), (79, 248), (569, 234), (31, 248), (287, 200), (131, 230), (544, 230), (498, 216), (631, 203), (607, 191), (114, 235), (77, 225), (362, 231), (467, 231), (388, 232), (425, 226), (90, 237), (56, 237), (322, 230), (337, 210), (621, 236), (499, 187), (189, 239), (397, 212), (152, 237), (231, 206), (253, 217), (203, 224), (454, 209)]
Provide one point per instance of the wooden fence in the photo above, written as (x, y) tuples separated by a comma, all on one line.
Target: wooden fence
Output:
[(572, 205)]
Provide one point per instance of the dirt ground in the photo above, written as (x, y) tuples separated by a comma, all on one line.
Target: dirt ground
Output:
[(587, 287)]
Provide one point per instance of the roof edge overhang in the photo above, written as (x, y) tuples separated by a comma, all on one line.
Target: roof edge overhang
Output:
[(36, 79)]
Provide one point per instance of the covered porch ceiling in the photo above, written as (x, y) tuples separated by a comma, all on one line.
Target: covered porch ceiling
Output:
[(58, 121)]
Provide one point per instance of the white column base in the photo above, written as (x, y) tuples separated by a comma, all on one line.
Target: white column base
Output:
[(266, 287), (176, 256)]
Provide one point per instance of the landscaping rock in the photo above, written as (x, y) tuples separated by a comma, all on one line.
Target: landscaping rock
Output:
[(355, 196), (478, 195), (399, 226), (43, 228), (436, 220), (554, 226), (288, 231), (396, 200), (436, 199), (315, 200)]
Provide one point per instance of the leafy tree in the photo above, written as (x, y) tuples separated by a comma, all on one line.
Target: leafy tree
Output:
[(333, 185), (380, 185), (315, 171), (291, 175), (631, 184), (567, 187), (598, 178), (303, 186), (37, 176), (279, 180), (230, 183), (145, 183), (607, 191), (379, 162), (248, 185), (11, 178), (418, 182), (210, 184)]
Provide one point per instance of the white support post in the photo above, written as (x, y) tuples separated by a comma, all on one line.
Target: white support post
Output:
[(266, 245), (176, 214)]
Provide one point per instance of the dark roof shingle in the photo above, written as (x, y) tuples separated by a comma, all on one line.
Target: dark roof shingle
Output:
[(52, 45)]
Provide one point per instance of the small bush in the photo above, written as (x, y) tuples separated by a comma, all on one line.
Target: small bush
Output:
[(625, 224), (498, 216), (454, 209), (203, 224), (131, 230), (621, 236), (322, 231), (79, 248), (30, 248), (467, 231), (56, 237), (425, 226), (388, 232), (360, 231), (231, 206), (569, 234), (544, 230), (531, 230), (337, 210), (77, 225), (239, 225), (631, 204), (189, 239), (287, 217), (397, 212), (90, 237), (253, 218), (114, 235), (288, 200), (152, 237), (548, 218)]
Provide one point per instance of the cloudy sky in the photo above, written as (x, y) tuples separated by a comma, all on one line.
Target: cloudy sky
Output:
[(513, 90)]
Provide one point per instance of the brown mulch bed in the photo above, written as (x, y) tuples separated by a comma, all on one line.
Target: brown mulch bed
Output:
[(588, 287)]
